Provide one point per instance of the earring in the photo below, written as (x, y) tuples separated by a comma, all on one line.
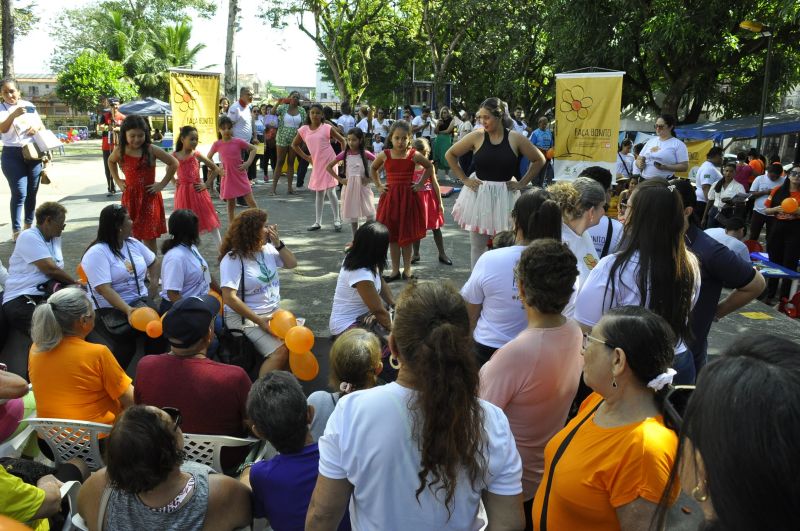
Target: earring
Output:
[(394, 362), (698, 494), (613, 381)]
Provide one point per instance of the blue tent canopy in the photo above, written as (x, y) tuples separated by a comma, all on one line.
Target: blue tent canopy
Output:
[(146, 107), (777, 123)]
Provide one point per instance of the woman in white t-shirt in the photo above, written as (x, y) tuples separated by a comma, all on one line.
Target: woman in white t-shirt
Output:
[(720, 194), (421, 452), (625, 160), (382, 125), (36, 260), (495, 312), (582, 204), (19, 121), (653, 268), (253, 252), (663, 155), (117, 268)]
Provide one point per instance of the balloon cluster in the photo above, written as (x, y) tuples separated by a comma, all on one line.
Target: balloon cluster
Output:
[(299, 340), (145, 319)]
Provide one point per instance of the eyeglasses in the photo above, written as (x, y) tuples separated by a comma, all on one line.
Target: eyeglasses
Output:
[(794, 173), (660, 126), (175, 414), (589, 337), (675, 403)]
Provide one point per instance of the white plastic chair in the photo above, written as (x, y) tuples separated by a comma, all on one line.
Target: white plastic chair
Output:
[(69, 490), (72, 438), (13, 447), (206, 449)]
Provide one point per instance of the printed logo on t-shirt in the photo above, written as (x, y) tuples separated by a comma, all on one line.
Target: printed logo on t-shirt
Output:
[(590, 260)]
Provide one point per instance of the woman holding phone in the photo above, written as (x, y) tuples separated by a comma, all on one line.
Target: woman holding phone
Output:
[(19, 121)]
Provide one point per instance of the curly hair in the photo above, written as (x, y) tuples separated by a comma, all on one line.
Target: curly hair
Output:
[(141, 450), (432, 336), (244, 236), (546, 272), (576, 197)]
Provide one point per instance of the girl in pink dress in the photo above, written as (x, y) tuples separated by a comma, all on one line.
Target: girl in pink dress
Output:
[(432, 200), (192, 193), (318, 136), (357, 197), (234, 172)]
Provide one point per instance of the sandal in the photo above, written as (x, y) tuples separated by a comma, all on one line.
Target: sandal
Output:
[(415, 259), (412, 276), (391, 278), (446, 261)]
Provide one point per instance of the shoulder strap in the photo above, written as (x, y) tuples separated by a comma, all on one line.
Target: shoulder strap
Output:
[(101, 512), (624, 165), (133, 265), (559, 452), (241, 284), (607, 243)]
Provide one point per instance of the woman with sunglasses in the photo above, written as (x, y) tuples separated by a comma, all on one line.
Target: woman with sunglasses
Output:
[(147, 484), (663, 155), (607, 469), (783, 244)]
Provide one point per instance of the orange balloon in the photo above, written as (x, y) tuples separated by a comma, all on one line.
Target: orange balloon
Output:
[(219, 298), (281, 322), (154, 329), (141, 316), (549, 154), (299, 339), (304, 365), (789, 205), (82, 274)]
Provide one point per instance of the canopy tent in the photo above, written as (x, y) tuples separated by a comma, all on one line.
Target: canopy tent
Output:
[(777, 123), (146, 107)]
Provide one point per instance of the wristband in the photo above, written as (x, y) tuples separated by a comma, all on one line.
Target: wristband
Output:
[(280, 246)]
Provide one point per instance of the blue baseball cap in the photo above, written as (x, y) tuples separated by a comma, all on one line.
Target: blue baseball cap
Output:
[(189, 319)]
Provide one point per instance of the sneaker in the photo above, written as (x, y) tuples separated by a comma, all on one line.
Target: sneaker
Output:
[(315, 226), (337, 226)]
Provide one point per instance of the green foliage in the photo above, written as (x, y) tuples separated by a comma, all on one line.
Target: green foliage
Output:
[(89, 77)]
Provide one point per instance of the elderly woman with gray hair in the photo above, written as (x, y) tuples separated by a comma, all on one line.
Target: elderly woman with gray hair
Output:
[(582, 203), (72, 378)]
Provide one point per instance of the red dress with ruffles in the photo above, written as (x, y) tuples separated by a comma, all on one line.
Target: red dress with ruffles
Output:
[(145, 209), (187, 197), (400, 208)]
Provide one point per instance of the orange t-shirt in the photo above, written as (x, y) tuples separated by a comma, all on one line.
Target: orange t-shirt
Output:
[(77, 380), (784, 216), (603, 469), (758, 168)]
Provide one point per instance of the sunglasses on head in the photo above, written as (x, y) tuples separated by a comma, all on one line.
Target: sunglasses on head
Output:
[(175, 414)]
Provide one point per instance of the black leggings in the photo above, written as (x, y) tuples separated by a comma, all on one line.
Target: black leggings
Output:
[(783, 246)]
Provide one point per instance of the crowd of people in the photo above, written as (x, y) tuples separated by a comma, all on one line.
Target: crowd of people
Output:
[(541, 394)]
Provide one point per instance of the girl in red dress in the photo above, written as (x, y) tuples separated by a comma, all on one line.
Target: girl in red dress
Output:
[(434, 206), (400, 208), (192, 193), (141, 194)]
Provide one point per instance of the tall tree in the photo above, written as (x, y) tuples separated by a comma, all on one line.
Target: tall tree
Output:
[(230, 69), (89, 77), (8, 39), (344, 32)]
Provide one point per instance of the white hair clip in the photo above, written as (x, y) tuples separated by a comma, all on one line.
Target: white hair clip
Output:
[(665, 378), (671, 187), (348, 387)]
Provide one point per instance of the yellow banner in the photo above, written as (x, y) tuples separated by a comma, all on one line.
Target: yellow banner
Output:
[(194, 98), (698, 149), (587, 121)]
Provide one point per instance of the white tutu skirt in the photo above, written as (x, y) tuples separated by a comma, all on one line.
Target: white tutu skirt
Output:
[(487, 211)]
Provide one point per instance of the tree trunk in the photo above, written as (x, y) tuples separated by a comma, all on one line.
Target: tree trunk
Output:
[(230, 68), (8, 39)]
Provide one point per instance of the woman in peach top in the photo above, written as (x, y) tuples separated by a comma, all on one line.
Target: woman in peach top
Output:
[(607, 469)]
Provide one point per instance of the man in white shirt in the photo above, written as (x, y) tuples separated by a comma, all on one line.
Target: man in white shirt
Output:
[(760, 190), (244, 124), (346, 120), (731, 237), (706, 177), (424, 124)]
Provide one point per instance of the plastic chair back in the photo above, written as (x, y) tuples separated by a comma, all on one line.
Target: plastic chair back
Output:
[(206, 449), (72, 438)]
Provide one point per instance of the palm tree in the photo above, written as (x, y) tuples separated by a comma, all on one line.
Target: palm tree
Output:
[(173, 46)]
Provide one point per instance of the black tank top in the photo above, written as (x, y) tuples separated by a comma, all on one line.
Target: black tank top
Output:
[(495, 162)]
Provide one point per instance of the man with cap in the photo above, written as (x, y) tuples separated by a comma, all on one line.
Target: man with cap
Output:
[(211, 396), (110, 122)]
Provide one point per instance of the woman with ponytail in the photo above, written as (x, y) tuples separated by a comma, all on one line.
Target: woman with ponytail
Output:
[(72, 378), (608, 467), (483, 205), (421, 452), (490, 292)]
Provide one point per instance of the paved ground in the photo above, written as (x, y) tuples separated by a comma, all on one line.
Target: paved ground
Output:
[(79, 184)]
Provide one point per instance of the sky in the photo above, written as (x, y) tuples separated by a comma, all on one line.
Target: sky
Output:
[(284, 57)]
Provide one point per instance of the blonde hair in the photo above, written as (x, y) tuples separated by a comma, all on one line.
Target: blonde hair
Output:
[(421, 145), (576, 197), (56, 318), (354, 357)]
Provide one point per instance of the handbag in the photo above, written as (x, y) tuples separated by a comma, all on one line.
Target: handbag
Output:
[(235, 348), (31, 152)]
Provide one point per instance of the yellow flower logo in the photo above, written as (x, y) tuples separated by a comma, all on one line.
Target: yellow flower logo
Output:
[(574, 104), (187, 96)]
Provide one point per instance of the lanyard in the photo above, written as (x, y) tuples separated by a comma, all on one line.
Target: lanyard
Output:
[(203, 265), (50, 246)]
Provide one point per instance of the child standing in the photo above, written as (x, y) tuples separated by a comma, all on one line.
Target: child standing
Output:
[(400, 208), (317, 137), (192, 193), (431, 196), (357, 197), (234, 172), (141, 195)]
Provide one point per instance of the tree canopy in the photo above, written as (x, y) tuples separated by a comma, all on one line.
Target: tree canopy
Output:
[(90, 77)]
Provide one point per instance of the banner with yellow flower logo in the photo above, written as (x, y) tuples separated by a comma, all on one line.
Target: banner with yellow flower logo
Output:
[(587, 121), (698, 149), (194, 97)]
